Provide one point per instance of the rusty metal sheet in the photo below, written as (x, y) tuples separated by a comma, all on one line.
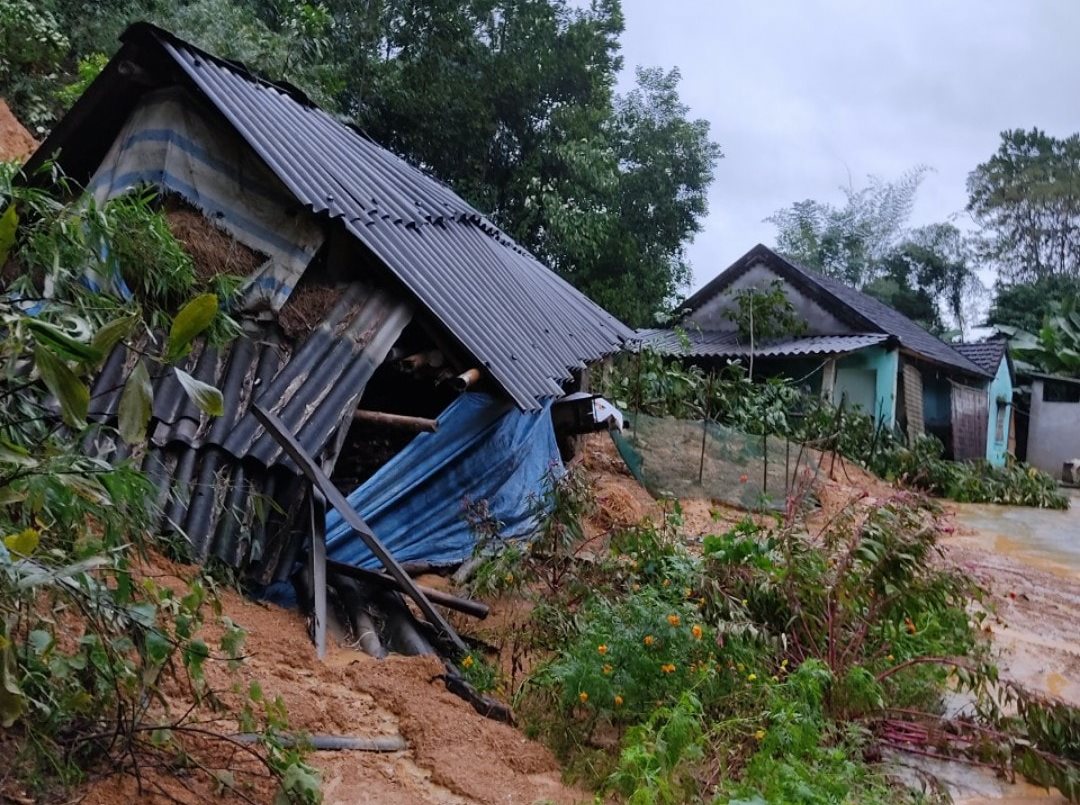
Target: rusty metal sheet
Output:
[(969, 422)]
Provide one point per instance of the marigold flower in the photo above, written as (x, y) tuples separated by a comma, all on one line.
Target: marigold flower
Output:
[(759, 735), (602, 648), (648, 641), (607, 669), (618, 700), (668, 668), (467, 662), (695, 630), (583, 696), (674, 619)]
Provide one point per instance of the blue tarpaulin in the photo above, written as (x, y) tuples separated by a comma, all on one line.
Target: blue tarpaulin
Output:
[(484, 449)]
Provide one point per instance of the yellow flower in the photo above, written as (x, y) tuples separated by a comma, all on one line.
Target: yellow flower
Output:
[(648, 641), (602, 648), (890, 658), (746, 602), (509, 577), (583, 696), (607, 669), (618, 700), (741, 667), (759, 735), (695, 630), (751, 678), (467, 662), (674, 619)]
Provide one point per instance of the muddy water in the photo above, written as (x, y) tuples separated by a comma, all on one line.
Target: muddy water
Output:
[(1029, 562), (1039, 537)]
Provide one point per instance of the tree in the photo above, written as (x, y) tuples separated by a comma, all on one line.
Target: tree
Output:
[(850, 242), (923, 272), (1024, 305), (510, 102), (1026, 198)]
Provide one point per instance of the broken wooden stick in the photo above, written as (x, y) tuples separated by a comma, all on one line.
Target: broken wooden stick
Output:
[(416, 423), (465, 605)]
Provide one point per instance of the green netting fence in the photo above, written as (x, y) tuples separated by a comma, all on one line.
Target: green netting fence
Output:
[(681, 458)]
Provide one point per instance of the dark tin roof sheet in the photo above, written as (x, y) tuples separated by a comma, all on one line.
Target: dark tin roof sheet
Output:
[(722, 344), (215, 474), (860, 310), (987, 354), (524, 324)]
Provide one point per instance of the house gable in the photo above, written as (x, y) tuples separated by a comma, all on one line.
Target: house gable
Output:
[(715, 313)]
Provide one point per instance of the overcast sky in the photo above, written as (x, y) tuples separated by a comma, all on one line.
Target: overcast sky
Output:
[(807, 95)]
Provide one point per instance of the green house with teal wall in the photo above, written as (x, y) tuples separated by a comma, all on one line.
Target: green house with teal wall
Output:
[(854, 351)]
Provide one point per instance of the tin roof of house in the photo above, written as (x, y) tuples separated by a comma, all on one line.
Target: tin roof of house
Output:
[(859, 310), (522, 323), (695, 343)]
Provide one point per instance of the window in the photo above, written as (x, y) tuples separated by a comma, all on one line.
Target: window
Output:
[(1060, 391), (999, 421)]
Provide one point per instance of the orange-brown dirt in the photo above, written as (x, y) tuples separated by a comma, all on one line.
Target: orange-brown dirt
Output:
[(16, 143), (453, 754), (456, 756)]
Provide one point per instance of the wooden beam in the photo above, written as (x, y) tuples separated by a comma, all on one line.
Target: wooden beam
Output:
[(417, 423), (465, 605), (276, 428)]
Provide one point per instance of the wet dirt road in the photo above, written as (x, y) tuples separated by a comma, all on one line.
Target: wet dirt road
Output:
[(1029, 561)]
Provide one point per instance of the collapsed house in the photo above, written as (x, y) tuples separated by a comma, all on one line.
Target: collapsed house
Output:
[(854, 351), (375, 298)]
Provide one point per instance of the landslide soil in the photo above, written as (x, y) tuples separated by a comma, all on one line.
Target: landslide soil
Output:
[(454, 755)]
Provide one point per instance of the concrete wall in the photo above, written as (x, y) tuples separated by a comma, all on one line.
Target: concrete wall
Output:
[(713, 314), (1053, 431), (869, 378), (999, 412)]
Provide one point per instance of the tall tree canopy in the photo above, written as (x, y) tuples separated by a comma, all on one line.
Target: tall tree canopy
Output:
[(866, 243), (511, 102), (1026, 198)]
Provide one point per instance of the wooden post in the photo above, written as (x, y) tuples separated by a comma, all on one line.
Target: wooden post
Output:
[(276, 428), (317, 558), (828, 380)]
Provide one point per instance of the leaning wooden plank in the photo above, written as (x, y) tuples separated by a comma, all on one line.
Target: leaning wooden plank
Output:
[(317, 506), (318, 478), (465, 605)]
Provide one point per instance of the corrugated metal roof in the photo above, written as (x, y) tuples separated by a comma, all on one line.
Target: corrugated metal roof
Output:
[(695, 343), (862, 310), (215, 475), (527, 326)]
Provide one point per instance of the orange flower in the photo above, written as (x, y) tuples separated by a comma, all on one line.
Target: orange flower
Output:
[(607, 669), (909, 625), (648, 641), (743, 479), (674, 619), (618, 700), (602, 648), (668, 668), (467, 662), (583, 696), (695, 630)]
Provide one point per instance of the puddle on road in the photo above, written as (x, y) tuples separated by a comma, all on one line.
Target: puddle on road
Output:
[(1040, 537)]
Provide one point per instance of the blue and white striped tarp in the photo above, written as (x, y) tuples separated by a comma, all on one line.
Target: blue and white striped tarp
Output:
[(169, 144)]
